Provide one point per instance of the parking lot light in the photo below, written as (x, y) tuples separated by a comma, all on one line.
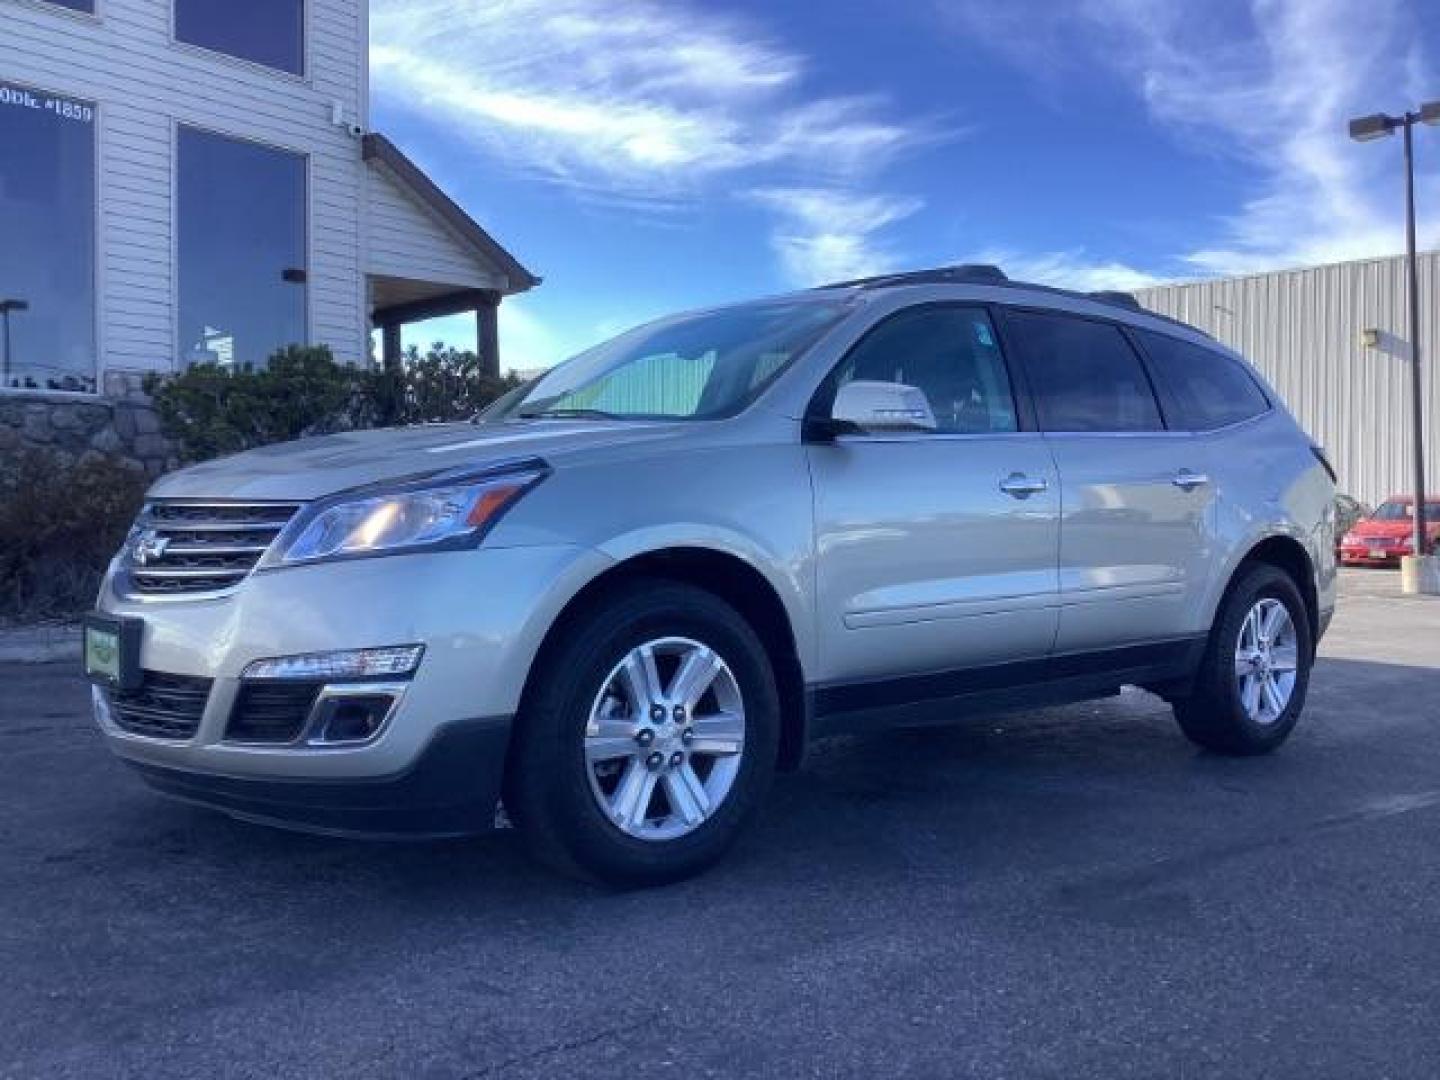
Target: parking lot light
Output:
[(1367, 129)]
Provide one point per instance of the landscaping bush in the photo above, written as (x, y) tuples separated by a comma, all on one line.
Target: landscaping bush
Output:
[(442, 384), (210, 410), (61, 519)]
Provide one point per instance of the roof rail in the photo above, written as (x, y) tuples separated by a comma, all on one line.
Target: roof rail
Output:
[(985, 274), (970, 273), (1116, 297)]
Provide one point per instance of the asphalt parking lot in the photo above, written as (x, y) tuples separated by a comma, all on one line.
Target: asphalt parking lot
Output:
[(1066, 893)]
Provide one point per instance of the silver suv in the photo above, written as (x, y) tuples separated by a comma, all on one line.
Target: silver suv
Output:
[(618, 602)]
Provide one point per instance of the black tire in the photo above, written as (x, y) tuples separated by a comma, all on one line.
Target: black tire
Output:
[(1212, 714), (548, 792)]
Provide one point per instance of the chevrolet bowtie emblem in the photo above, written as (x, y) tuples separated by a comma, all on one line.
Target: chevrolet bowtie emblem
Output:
[(150, 547)]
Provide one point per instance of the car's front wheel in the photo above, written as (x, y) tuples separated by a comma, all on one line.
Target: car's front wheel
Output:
[(647, 738), (1255, 672)]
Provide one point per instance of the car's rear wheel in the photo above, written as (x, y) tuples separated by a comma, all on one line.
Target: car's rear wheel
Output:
[(1253, 678), (647, 738)]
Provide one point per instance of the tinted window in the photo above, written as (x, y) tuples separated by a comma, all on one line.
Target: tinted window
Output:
[(269, 32), (77, 5), (242, 249), (1084, 374), (1210, 389), (47, 240), (949, 353)]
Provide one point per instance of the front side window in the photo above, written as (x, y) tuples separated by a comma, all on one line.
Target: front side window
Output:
[(951, 355), (47, 240), (241, 211), (693, 367), (269, 32), (1084, 374), (1210, 390)]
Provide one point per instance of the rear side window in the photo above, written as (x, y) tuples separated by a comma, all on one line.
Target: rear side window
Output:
[(1084, 374), (1210, 390)]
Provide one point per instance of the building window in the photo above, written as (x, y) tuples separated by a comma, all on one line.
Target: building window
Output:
[(47, 240), (269, 32), (87, 6), (241, 211)]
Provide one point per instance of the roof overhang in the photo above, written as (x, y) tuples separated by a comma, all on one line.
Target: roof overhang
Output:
[(376, 149)]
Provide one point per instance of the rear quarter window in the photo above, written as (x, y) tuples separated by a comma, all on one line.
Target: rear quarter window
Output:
[(1207, 389)]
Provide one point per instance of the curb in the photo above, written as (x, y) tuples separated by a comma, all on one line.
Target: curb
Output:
[(40, 644)]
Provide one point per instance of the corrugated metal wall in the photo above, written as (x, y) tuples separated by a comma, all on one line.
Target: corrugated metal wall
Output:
[(1302, 328)]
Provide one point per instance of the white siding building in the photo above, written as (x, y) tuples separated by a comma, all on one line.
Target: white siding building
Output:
[(186, 180), (1334, 341)]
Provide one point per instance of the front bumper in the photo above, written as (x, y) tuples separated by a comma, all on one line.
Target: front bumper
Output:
[(451, 789), (434, 769)]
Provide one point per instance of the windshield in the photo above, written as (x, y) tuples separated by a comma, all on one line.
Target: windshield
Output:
[(693, 367), (1403, 511)]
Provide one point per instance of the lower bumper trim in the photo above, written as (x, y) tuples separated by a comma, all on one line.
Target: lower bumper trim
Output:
[(451, 790)]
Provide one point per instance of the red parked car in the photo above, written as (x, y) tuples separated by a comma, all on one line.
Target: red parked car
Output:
[(1385, 535)]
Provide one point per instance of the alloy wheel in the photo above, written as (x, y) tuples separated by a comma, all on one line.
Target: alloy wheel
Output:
[(665, 738), (1267, 657)]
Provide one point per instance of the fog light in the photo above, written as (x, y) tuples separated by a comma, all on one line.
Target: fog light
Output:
[(344, 664), (347, 719)]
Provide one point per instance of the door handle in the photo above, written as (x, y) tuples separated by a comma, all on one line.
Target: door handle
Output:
[(1186, 480), (1019, 486)]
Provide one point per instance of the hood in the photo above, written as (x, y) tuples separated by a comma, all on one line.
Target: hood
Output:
[(310, 468)]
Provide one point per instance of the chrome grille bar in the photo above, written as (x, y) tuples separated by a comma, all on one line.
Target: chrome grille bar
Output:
[(191, 547)]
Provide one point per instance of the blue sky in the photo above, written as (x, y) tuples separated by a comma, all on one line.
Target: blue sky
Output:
[(645, 157)]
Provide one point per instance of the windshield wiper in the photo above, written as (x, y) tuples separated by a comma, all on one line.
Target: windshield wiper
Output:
[(566, 414)]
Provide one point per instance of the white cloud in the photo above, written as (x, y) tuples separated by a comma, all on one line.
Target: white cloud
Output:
[(828, 235), (1272, 89), (643, 105), (639, 96), (1074, 269)]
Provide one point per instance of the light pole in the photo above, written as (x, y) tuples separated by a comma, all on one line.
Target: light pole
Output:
[(1377, 126), (6, 307)]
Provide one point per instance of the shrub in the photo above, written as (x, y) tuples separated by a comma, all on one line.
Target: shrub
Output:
[(61, 519), (209, 410), (442, 384)]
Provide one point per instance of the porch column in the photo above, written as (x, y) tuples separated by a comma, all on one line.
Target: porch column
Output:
[(487, 333), (390, 346)]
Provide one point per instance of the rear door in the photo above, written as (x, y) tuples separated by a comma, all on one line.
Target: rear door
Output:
[(1137, 512)]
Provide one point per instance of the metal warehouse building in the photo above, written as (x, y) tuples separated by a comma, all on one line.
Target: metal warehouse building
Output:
[(1334, 341)]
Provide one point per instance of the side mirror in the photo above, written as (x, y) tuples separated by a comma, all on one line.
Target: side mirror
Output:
[(866, 405)]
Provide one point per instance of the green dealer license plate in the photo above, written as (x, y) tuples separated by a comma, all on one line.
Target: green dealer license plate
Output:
[(112, 651)]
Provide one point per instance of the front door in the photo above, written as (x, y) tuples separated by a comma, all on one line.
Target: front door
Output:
[(936, 551), (1136, 529)]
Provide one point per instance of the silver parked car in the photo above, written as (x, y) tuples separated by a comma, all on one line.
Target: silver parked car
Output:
[(620, 602)]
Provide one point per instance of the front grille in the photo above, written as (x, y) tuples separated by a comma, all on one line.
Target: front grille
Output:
[(271, 712), (164, 707), (187, 547)]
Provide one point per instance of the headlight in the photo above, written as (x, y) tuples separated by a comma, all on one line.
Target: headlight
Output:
[(446, 511)]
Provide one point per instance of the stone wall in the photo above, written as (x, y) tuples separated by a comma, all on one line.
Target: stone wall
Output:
[(120, 424)]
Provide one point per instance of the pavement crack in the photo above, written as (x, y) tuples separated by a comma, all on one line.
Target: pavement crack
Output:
[(551, 1049)]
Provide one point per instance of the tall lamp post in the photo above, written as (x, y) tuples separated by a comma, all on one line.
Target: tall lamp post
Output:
[(1365, 129), (6, 307)]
